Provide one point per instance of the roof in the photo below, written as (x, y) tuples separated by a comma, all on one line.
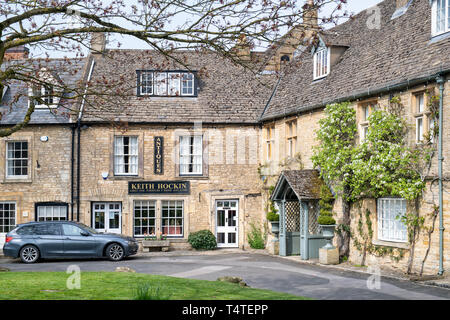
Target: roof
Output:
[(14, 103), (401, 50), (305, 184), (228, 93)]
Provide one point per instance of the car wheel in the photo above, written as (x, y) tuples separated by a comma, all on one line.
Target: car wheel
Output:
[(29, 254), (115, 252)]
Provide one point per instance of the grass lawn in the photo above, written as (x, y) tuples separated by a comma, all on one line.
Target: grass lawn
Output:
[(119, 285)]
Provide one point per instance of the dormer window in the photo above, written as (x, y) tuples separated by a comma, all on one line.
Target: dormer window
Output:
[(440, 17), (43, 96), (321, 63), (166, 84)]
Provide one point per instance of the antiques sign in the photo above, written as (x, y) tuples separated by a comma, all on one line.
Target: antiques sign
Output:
[(159, 155), (159, 187)]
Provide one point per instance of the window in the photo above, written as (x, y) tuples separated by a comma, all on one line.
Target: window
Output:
[(321, 63), (51, 212), (440, 17), (365, 110), (420, 116), (431, 124), (72, 230), (17, 159), (166, 84), (125, 155), (144, 218), (270, 142), (390, 226), (43, 96), (172, 218), (291, 137), (191, 155), (7, 216)]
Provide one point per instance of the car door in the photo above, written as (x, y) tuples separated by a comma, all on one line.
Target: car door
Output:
[(49, 239), (76, 244)]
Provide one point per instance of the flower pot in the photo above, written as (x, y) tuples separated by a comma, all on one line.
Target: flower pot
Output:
[(328, 234), (275, 227)]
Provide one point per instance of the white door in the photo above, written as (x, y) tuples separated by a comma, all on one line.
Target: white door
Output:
[(227, 223), (107, 217), (7, 220)]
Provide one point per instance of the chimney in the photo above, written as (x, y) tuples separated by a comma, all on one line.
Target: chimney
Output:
[(98, 42), (401, 3), (242, 48), (310, 15), (17, 53)]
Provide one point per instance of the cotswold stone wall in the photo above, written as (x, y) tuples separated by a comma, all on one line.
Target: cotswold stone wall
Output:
[(49, 169), (307, 124), (231, 158)]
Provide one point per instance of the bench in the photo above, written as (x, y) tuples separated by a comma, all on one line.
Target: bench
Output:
[(163, 244)]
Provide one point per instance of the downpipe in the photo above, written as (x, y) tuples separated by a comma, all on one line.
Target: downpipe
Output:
[(440, 80)]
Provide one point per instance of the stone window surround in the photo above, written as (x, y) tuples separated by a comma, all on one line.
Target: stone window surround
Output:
[(205, 157), (291, 137), (140, 142), (425, 114), (3, 144), (269, 142), (361, 116)]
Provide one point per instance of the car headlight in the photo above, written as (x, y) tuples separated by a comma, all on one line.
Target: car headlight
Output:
[(132, 243)]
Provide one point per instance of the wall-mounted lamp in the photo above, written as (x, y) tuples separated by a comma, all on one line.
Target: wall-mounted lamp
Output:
[(44, 138)]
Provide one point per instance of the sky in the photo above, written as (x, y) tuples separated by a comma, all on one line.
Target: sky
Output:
[(128, 42)]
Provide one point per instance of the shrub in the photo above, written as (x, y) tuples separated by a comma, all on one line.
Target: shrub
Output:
[(272, 216), (325, 204), (255, 238), (202, 240)]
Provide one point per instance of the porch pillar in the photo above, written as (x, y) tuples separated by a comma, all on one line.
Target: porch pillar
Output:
[(304, 226), (282, 234)]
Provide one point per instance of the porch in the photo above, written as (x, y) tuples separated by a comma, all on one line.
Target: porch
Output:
[(297, 195)]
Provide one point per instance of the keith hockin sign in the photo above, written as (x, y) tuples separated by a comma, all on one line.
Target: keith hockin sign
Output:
[(159, 155), (159, 187)]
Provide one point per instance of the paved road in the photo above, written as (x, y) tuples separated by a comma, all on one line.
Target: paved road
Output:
[(258, 271)]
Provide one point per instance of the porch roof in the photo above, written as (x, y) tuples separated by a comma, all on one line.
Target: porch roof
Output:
[(302, 184)]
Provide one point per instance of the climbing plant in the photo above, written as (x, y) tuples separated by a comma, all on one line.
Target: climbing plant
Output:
[(384, 164)]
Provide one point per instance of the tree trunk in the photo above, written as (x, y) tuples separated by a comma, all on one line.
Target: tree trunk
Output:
[(344, 236)]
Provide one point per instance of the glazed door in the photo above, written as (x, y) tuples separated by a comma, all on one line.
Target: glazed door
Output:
[(107, 217), (227, 223)]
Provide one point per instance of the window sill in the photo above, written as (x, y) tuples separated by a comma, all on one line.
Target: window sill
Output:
[(17, 180), (192, 177), (125, 177), (438, 37), (400, 245)]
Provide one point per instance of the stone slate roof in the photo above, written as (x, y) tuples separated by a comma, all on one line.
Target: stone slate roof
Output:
[(401, 50), (306, 184), (228, 93), (68, 71)]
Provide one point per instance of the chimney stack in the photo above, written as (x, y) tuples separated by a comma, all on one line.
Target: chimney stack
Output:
[(98, 42), (242, 48), (310, 16), (17, 53)]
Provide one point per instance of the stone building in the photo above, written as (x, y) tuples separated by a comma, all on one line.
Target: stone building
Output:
[(396, 49)]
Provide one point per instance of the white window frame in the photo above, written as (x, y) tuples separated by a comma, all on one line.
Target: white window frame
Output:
[(389, 227), (364, 131), (191, 155), (419, 129), (434, 17), (8, 159), (9, 226), (270, 142), (120, 154), (48, 212), (291, 137), (150, 222), (172, 206), (149, 83), (321, 67), (187, 83), (50, 101)]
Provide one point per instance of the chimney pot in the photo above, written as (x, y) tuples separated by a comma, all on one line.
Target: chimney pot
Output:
[(17, 53), (98, 42)]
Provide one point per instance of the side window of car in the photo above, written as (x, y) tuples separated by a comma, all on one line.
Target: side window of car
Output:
[(54, 229), (47, 229), (71, 230), (27, 230)]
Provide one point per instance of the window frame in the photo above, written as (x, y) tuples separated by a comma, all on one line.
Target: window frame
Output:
[(162, 218), (7, 159), (317, 54), (291, 138), (270, 142), (191, 155), (10, 227), (168, 73), (381, 220), (365, 110), (421, 115), (155, 218), (123, 155), (51, 204), (434, 18)]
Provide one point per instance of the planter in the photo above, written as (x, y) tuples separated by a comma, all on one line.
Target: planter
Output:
[(275, 227), (328, 234)]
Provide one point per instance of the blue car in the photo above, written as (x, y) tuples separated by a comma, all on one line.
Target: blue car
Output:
[(64, 239)]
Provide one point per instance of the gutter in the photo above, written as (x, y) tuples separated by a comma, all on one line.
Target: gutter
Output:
[(80, 115), (395, 87), (440, 80)]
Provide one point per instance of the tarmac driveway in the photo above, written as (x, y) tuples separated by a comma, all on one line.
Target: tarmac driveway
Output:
[(258, 271)]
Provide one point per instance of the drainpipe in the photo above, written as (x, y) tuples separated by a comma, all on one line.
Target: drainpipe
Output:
[(72, 172), (440, 81)]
